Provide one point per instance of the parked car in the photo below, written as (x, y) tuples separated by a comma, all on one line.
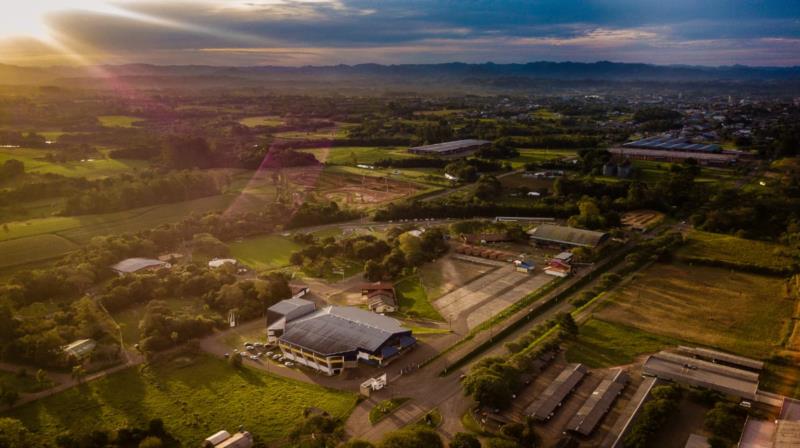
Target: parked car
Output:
[(288, 364), (227, 355)]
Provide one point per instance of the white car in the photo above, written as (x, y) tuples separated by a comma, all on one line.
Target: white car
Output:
[(288, 364)]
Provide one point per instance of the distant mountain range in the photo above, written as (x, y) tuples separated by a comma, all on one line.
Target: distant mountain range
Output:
[(460, 72)]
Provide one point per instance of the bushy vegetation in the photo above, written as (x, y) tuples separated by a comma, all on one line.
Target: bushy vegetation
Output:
[(665, 400)]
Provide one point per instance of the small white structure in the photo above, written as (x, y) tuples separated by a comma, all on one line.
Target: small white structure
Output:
[(451, 177), (219, 262), (373, 385), (132, 265), (223, 439)]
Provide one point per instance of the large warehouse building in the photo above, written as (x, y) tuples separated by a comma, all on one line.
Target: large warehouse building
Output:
[(334, 338), (551, 234), (457, 148)]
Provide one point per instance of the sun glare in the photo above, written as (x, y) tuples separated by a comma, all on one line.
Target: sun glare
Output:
[(28, 18)]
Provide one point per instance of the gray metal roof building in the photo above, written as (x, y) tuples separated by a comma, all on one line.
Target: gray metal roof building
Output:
[(457, 147), (563, 235), (599, 403), (131, 265), (722, 357), (545, 406), (673, 144), (696, 372), (663, 155), (334, 330)]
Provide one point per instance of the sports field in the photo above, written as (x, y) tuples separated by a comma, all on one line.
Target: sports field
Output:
[(742, 313), (195, 396), (264, 252)]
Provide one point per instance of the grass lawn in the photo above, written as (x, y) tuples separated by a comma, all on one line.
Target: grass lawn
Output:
[(604, 344), (337, 133), (384, 408), (264, 120), (413, 300), (236, 337), (353, 155), (428, 331), (736, 250), (117, 121), (33, 248), (195, 396), (742, 313), (98, 167), (264, 252)]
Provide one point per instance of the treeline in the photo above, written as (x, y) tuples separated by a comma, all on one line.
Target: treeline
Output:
[(128, 191), (14, 434), (754, 268), (466, 210), (314, 213)]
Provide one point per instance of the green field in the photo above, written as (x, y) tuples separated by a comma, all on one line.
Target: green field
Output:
[(742, 313), (263, 120), (603, 344), (731, 249), (531, 155), (353, 155), (413, 300), (33, 248), (264, 252), (117, 121), (99, 167), (195, 397), (331, 133)]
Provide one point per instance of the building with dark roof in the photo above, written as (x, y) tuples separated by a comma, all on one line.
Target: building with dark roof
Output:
[(334, 338), (598, 404), (552, 234), (457, 148), (132, 265), (556, 392), (672, 144), (284, 311)]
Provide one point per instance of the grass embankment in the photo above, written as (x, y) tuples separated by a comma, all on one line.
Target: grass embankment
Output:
[(385, 408), (194, 395), (742, 313), (413, 299), (264, 252)]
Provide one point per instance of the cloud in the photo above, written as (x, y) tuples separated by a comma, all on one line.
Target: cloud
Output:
[(291, 32)]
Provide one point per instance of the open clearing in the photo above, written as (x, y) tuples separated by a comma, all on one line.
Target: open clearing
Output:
[(741, 313), (532, 155), (350, 189), (117, 121), (604, 344), (93, 168), (264, 120), (264, 252), (129, 318), (446, 274), (195, 396), (731, 249), (33, 248), (354, 155)]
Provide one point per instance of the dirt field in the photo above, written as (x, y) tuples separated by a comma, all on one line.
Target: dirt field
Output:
[(742, 313), (349, 189), (642, 219)]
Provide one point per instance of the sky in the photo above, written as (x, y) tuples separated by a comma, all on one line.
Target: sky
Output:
[(329, 32)]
